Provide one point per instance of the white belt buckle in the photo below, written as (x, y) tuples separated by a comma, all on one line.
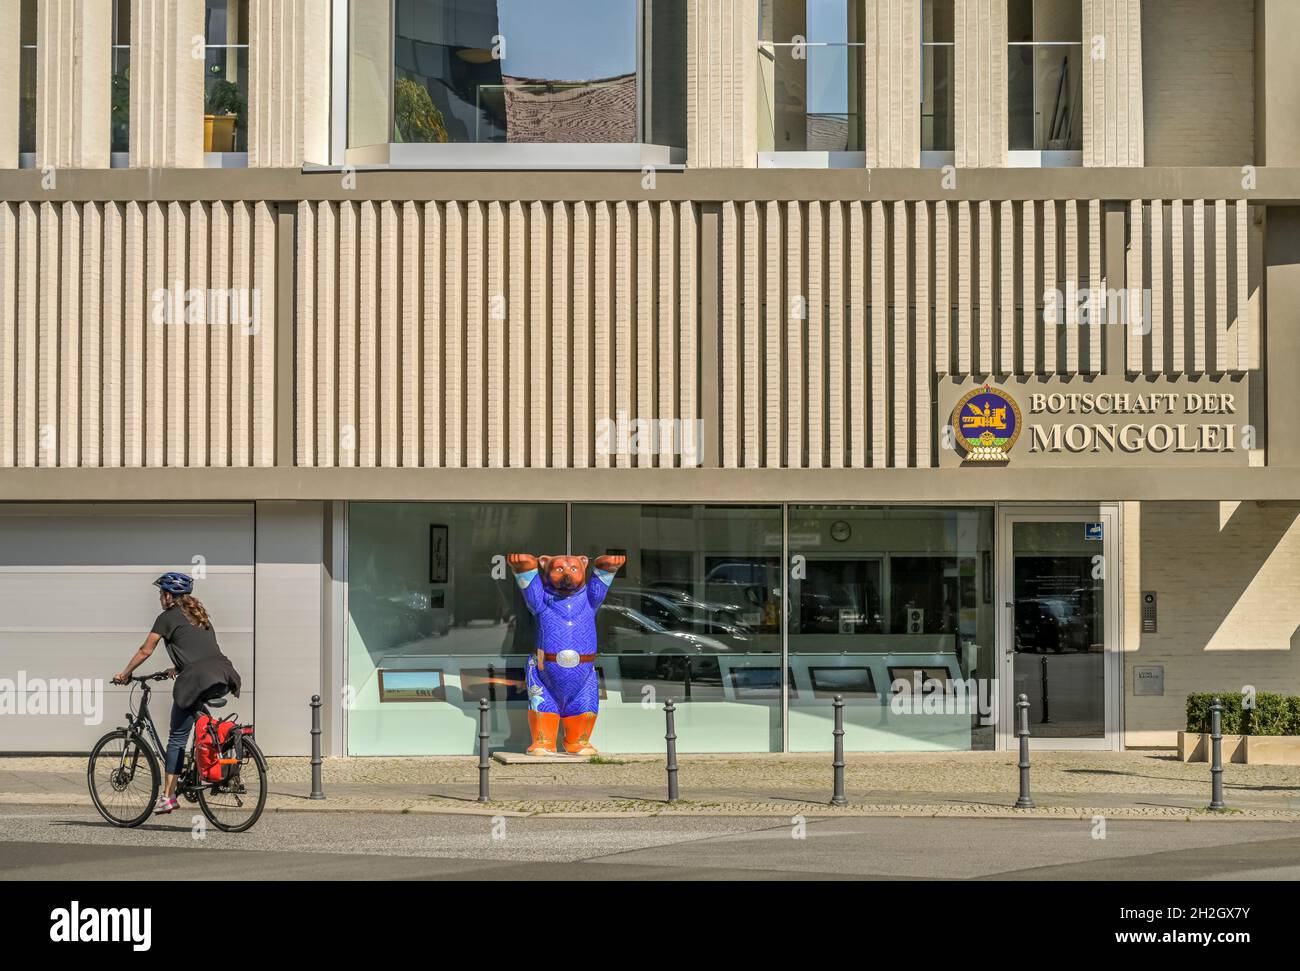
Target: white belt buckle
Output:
[(568, 659)]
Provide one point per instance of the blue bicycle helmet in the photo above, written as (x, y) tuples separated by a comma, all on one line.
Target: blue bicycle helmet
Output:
[(175, 583)]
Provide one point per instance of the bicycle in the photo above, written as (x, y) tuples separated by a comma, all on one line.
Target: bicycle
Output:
[(124, 758)]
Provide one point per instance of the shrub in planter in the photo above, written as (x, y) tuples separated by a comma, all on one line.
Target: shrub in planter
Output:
[(1273, 714)]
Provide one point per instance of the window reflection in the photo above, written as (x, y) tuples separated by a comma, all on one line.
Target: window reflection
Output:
[(695, 616), (515, 71), (810, 64), (883, 595)]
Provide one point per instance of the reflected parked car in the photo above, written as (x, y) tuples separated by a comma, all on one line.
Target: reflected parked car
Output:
[(1050, 624), (623, 629), (677, 612)]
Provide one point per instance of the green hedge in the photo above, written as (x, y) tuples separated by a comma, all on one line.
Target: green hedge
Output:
[(1273, 714)]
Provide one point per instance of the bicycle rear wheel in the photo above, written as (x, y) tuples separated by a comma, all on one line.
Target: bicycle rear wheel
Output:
[(123, 777), (235, 805)]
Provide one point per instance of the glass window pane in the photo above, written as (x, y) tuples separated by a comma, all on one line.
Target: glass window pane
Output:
[(370, 70), (27, 23), (885, 599), (664, 97), (436, 617), (937, 22), (1058, 20), (226, 100), (816, 21), (121, 100), (1020, 21), (515, 71), (120, 128), (695, 618), (1060, 632), (813, 100), (225, 22), (938, 122)]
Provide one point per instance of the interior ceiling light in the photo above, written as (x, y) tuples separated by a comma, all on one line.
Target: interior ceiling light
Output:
[(474, 55)]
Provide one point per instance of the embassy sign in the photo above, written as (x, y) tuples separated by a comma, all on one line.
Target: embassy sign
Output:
[(1100, 422)]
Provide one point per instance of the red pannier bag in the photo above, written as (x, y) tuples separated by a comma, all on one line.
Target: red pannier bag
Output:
[(212, 737)]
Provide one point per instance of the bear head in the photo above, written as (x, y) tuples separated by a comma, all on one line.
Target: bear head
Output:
[(563, 574)]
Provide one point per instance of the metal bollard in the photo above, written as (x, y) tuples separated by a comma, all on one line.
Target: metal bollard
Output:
[(1022, 706), (1046, 711), (671, 739), (484, 763), (316, 791), (837, 793), (1216, 754)]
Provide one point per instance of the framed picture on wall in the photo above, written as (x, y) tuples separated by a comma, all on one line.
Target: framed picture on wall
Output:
[(439, 554), (424, 684)]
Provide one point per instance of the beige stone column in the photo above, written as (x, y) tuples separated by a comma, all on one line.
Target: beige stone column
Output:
[(1277, 83), (892, 84), (167, 59), (722, 83), (74, 46), (980, 98), (10, 22), (289, 82), (1112, 83)]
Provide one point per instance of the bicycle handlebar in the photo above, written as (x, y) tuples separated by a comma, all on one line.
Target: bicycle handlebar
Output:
[(145, 678)]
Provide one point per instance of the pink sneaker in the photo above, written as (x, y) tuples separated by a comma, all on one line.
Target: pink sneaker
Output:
[(165, 805)]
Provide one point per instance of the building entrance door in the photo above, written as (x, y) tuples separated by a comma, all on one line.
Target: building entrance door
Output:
[(1058, 629)]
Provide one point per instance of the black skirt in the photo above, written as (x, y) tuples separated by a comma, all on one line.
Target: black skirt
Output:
[(203, 680)]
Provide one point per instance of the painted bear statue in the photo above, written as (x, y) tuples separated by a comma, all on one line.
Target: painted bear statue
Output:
[(562, 684)]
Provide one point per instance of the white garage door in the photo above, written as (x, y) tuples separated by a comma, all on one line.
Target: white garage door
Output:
[(76, 600)]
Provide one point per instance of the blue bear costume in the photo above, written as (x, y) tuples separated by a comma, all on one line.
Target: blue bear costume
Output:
[(564, 623)]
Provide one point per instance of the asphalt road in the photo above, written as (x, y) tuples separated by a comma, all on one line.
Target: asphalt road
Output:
[(40, 843)]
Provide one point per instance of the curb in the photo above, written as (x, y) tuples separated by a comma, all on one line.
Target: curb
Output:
[(813, 810)]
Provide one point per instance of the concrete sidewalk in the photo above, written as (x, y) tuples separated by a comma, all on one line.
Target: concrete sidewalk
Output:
[(1147, 785)]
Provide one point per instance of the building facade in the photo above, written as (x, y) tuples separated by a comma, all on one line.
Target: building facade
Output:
[(919, 352)]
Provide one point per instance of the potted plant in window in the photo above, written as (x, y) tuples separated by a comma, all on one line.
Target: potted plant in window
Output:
[(225, 113)]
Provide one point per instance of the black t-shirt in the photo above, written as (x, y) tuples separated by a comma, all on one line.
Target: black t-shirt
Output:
[(186, 644)]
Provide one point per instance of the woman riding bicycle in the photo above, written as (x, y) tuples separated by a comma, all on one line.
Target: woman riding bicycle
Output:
[(201, 671)]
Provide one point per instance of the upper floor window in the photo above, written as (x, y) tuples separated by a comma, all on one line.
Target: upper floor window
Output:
[(27, 84), (225, 32), (937, 70), (517, 72), (1045, 76), (811, 76), (120, 134)]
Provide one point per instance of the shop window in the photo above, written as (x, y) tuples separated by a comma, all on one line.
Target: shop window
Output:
[(225, 118), (1045, 77), (884, 599), (120, 130), (516, 72), (436, 623), (938, 67), (810, 59), (27, 85), (696, 617)]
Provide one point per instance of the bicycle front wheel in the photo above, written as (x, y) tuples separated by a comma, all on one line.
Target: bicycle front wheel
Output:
[(124, 778), (235, 805)]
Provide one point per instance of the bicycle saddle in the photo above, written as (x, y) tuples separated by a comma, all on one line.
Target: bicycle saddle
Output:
[(216, 703)]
